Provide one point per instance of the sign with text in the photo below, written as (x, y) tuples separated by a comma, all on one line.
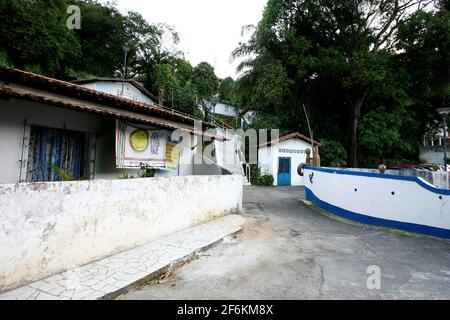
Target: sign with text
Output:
[(137, 147)]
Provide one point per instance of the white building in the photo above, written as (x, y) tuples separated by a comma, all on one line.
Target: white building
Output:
[(132, 89), (432, 149), (52, 130), (281, 158), (229, 113), (67, 153)]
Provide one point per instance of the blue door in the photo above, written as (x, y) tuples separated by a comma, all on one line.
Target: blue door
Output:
[(284, 171)]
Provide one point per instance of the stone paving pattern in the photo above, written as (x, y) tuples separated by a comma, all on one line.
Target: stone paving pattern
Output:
[(108, 275)]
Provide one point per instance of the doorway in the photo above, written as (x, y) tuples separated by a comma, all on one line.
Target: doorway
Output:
[(284, 171)]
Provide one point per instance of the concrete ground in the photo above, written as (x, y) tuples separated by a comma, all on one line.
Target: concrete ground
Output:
[(290, 251)]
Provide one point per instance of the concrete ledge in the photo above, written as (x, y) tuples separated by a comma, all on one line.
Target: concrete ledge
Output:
[(111, 276)]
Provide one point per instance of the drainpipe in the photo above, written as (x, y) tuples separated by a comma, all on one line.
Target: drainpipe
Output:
[(125, 50)]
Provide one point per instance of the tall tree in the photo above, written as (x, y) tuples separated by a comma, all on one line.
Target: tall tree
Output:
[(206, 83), (327, 55), (35, 36)]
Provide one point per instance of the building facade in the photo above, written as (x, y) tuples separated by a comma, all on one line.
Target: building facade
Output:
[(132, 89), (281, 158), (52, 130)]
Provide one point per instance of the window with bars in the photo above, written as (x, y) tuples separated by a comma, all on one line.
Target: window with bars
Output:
[(58, 155)]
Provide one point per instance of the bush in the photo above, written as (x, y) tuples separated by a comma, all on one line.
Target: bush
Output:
[(258, 179), (332, 154), (265, 180)]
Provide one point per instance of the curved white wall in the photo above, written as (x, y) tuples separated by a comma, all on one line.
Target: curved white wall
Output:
[(402, 202)]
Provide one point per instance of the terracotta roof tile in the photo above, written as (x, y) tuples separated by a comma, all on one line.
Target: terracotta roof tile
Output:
[(294, 135)]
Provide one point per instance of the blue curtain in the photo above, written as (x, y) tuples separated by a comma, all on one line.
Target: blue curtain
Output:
[(55, 154)]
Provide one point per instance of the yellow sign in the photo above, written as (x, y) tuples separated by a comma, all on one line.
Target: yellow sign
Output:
[(139, 140), (172, 156)]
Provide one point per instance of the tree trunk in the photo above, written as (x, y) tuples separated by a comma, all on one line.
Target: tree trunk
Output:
[(356, 105)]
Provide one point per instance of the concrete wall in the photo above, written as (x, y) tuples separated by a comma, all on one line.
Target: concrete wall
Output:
[(13, 114), (402, 202), (47, 228), (294, 149), (430, 156)]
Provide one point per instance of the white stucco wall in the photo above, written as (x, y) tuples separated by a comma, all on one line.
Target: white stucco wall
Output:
[(13, 113), (265, 160), (409, 200), (50, 227), (115, 88), (293, 148), (225, 109)]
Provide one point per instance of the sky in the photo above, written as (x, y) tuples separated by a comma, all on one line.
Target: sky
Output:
[(209, 30)]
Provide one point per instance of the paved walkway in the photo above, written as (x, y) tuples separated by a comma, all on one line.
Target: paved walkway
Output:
[(287, 250), (110, 275)]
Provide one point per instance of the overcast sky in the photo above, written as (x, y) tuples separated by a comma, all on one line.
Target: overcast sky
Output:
[(209, 29)]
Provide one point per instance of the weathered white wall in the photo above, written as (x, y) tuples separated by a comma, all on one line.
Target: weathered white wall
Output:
[(50, 227), (414, 201), (433, 157)]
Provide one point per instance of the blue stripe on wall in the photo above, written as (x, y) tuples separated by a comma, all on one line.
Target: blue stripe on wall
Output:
[(405, 226), (383, 176)]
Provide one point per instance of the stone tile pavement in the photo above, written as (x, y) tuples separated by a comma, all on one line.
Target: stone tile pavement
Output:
[(106, 276)]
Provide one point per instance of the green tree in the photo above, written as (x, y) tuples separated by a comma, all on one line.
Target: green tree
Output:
[(226, 89), (179, 92), (35, 36), (206, 84), (331, 57)]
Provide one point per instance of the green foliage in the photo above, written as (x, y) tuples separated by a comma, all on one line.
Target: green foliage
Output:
[(331, 60), (260, 179), (206, 84), (34, 33), (126, 176), (205, 80), (65, 176), (146, 171), (35, 38), (332, 154), (175, 80), (379, 131), (226, 89), (4, 61)]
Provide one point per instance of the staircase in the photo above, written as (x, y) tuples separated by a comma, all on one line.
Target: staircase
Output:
[(230, 156)]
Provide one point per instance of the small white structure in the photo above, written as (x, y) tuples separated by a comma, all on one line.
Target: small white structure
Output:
[(132, 89), (281, 158), (230, 113)]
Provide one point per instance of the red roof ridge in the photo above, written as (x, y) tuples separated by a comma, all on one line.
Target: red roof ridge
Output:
[(288, 137)]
